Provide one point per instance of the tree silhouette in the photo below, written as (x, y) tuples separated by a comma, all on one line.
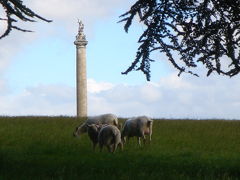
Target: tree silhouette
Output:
[(15, 10), (188, 32)]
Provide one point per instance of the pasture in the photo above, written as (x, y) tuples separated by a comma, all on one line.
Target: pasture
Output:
[(44, 148)]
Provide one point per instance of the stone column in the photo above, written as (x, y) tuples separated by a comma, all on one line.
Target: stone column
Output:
[(81, 43)]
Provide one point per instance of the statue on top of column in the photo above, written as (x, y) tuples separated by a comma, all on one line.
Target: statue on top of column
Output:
[(81, 36), (81, 26)]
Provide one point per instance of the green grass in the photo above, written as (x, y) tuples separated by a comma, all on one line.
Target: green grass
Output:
[(44, 148)]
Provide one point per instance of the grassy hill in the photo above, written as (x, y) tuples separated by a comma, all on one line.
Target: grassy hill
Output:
[(44, 148)]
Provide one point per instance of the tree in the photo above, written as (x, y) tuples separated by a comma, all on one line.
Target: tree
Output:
[(15, 10), (188, 32)]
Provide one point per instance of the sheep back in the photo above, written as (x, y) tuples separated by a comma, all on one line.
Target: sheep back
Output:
[(109, 135), (137, 126), (103, 119)]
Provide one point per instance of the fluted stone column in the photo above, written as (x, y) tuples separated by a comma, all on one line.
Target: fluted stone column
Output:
[(81, 43)]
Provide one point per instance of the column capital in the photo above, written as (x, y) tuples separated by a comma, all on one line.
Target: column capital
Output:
[(80, 43)]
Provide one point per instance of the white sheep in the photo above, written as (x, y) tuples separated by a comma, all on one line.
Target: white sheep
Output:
[(101, 119), (110, 136), (139, 127)]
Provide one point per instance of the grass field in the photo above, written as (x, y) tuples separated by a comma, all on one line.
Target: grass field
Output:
[(44, 148)]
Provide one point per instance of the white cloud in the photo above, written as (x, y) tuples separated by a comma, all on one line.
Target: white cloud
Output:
[(94, 87), (40, 100), (185, 97), (65, 13), (174, 81), (66, 9), (150, 93)]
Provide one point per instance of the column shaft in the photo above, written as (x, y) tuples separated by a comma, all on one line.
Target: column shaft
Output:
[(81, 82)]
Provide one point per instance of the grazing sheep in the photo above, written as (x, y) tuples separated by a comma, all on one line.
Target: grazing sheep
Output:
[(93, 131), (139, 127), (101, 119), (110, 136)]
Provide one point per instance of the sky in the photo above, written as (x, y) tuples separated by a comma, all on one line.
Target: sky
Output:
[(38, 70)]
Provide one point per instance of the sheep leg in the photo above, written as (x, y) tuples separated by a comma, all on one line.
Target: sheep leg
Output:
[(144, 139), (121, 146), (114, 148), (139, 141), (124, 140), (150, 136)]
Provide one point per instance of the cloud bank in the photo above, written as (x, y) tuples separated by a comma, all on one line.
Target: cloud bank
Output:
[(174, 97), (171, 97)]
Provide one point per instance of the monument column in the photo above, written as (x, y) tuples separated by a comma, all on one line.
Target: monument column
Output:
[(81, 43)]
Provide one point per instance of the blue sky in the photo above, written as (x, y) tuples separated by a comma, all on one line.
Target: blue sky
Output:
[(109, 52), (37, 70)]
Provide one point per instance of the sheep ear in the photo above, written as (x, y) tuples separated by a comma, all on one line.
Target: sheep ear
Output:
[(88, 125)]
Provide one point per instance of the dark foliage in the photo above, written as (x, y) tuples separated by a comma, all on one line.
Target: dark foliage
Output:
[(188, 32), (14, 11)]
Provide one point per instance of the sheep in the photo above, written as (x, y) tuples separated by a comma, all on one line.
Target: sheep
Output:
[(101, 119), (110, 136), (139, 127), (93, 131)]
